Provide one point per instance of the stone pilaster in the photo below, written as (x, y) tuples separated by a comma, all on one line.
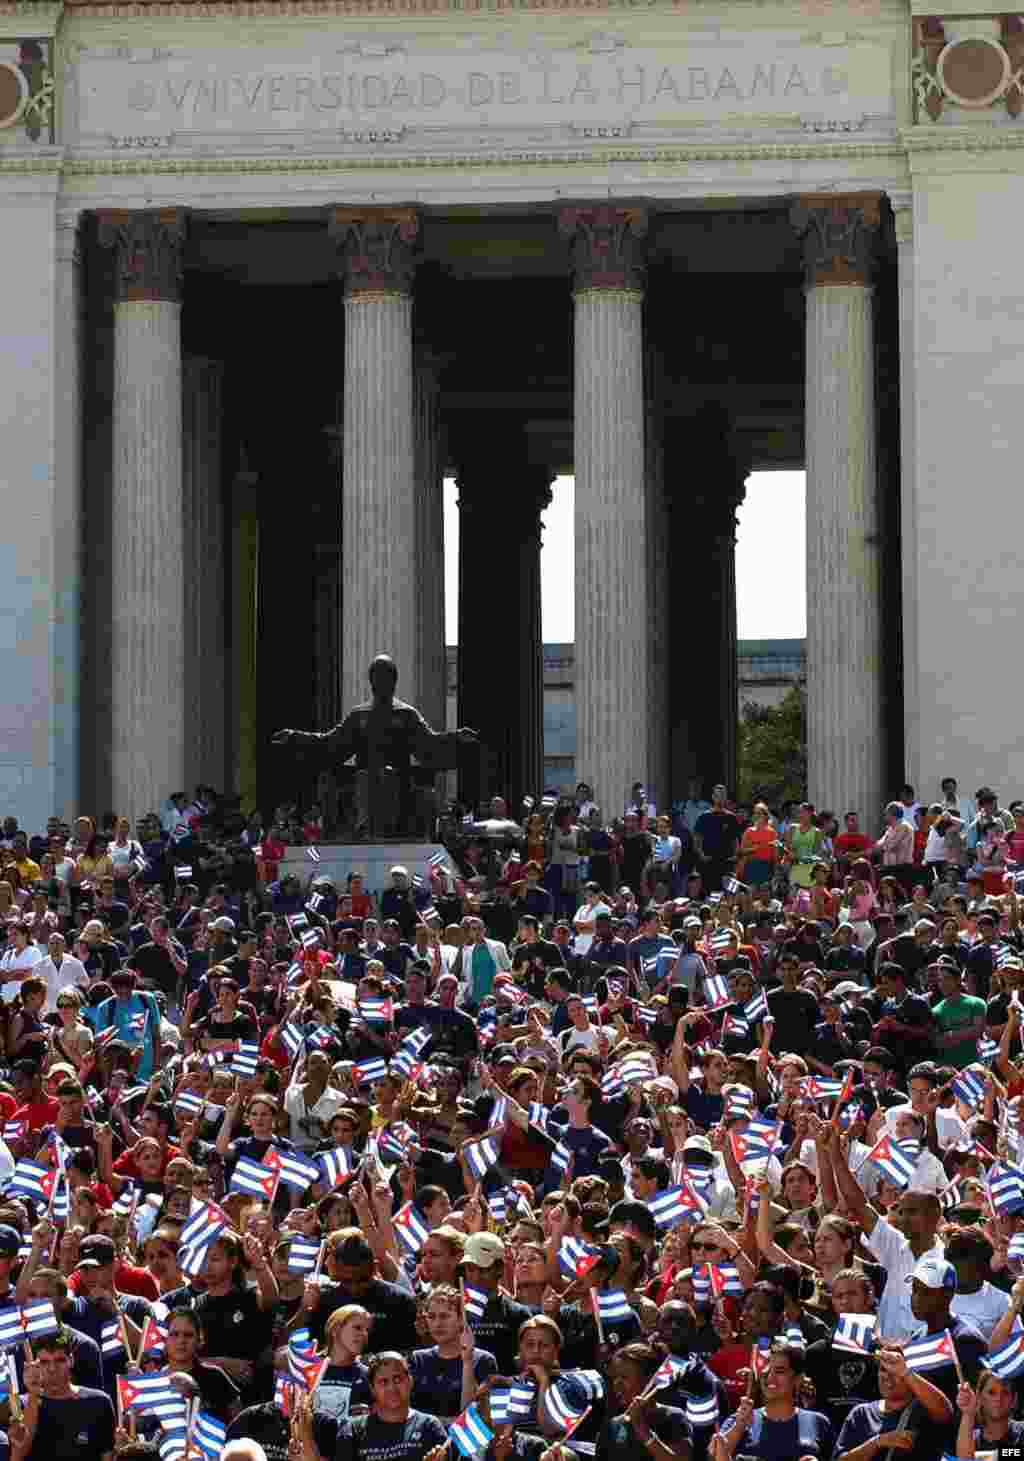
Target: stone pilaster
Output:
[(844, 680), (66, 539), (147, 650), (612, 670), (381, 595), (903, 214), (429, 488), (205, 566), (502, 494)]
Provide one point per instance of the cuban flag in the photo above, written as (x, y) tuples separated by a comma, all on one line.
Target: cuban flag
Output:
[(635, 1068), (323, 1036), (303, 1256), (182, 872), (293, 1169), (437, 859), (855, 1333), (1008, 1361), (209, 1435), (496, 1206), (610, 1304), (560, 1410), (310, 939), (895, 1160), (28, 1177), (539, 1115), (368, 1072), (297, 922), (749, 1149), (513, 1402), (671, 1370), (968, 1088), (33, 1321), (205, 1223), (304, 1365), (1005, 1187), (192, 1105), (284, 1391), (255, 1178), (313, 903), (561, 1157), (112, 1340), (481, 1157), (313, 853), (645, 1015), (394, 1142), (411, 1228), (470, 1432), (712, 1280), (154, 1334), (14, 1130), (675, 1205), (702, 1412), (474, 1301), (612, 1084), (376, 1011), (291, 1038), (144, 1392), (716, 991), (1015, 1252), (335, 1166), (821, 1088), (739, 1101), (575, 1258), (987, 1049), (244, 1060), (755, 1008), (931, 1353), (174, 1445), (732, 885), (409, 1052)]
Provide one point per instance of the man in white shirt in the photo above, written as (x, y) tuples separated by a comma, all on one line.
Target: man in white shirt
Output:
[(60, 969), (977, 1300), (896, 1242), (586, 917)]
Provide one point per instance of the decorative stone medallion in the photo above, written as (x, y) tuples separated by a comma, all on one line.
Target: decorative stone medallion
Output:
[(13, 94), (26, 92), (974, 72)]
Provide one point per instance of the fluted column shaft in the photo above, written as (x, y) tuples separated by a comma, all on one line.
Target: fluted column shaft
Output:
[(205, 668), (844, 680), (380, 592), (429, 489), (904, 219), (612, 666), (147, 647)]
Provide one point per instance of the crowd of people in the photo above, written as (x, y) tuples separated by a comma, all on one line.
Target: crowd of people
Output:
[(692, 1133)]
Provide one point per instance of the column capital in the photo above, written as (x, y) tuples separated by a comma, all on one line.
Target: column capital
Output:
[(608, 246), (149, 247), (376, 247), (838, 236)]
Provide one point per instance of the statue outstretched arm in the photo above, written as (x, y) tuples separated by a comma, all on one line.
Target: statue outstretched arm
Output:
[(335, 745)]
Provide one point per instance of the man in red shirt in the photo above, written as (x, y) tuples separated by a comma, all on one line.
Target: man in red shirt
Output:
[(852, 843), (33, 1107)]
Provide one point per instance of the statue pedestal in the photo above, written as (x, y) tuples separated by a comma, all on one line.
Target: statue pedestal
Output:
[(373, 860)]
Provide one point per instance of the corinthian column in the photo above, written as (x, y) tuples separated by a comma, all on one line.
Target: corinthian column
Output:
[(381, 598), (612, 668), (844, 680), (205, 670), (147, 559)]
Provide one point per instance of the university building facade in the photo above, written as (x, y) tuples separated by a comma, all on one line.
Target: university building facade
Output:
[(272, 268)]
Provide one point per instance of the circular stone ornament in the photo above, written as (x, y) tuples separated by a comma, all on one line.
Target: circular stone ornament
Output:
[(974, 72), (13, 93)]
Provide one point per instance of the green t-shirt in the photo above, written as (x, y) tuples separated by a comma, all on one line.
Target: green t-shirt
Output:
[(957, 1014)]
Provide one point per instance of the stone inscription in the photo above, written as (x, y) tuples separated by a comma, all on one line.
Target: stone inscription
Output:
[(121, 93)]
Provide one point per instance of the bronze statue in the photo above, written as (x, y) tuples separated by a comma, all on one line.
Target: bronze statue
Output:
[(384, 734)]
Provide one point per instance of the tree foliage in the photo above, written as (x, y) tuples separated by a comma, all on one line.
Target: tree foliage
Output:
[(773, 751)]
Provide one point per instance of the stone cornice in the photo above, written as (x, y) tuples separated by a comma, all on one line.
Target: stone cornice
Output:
[(162, 164), (867, 10)]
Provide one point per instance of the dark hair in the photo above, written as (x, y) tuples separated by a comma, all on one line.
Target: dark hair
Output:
[(386, 1357), (61, 1341), (644, 1356)]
